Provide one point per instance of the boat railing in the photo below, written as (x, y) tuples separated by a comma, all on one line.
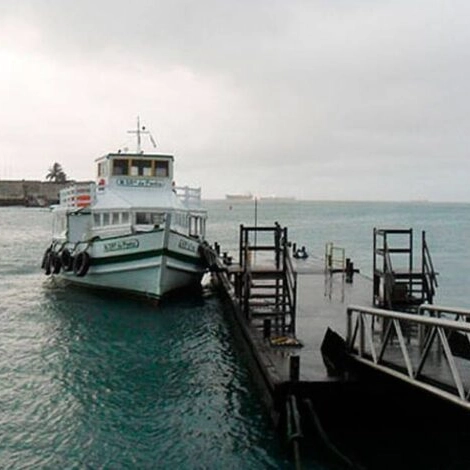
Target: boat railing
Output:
[(382, 340), (191, 197), (78, 195)]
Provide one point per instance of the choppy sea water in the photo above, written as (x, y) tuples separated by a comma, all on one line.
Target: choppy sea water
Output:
[(91, 380)]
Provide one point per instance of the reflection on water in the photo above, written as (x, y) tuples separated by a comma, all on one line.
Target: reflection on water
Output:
[(92, 380), (97, 381)]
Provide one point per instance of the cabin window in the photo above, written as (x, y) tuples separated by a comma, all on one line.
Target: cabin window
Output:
[(161, 169), (115, 218), (102, 169), (181, 219), (196, 226), (158, 219), (149, 218), (125, 217), (141, 168), (105, 218), (96, 220), (120, 167), (142, 218)]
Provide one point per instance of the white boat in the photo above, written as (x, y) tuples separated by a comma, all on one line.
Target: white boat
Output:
[(133, 230)]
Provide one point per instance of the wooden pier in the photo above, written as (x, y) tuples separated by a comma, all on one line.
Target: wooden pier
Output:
[(320, 349)]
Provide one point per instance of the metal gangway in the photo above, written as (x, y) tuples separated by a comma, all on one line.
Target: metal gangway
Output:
[(429, 350)]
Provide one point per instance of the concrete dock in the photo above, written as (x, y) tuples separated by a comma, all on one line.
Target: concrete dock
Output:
[(322, 301)]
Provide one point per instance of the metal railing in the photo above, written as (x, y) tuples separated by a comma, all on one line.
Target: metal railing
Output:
[(429, 274), (335, 258), (282, 271), (382, 340), (458, 314), (190, 197), (402, 287), (389, 278), (290, 283), (78, 195)]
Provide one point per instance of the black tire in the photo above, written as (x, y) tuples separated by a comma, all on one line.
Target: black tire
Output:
[(67, 260), (56, 264), (47, 262), (81, 264), (45, 258)]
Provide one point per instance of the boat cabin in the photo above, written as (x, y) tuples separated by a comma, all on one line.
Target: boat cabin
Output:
[(128, 206), (134, 170)]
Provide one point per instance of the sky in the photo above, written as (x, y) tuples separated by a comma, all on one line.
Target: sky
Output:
[(313, 99)]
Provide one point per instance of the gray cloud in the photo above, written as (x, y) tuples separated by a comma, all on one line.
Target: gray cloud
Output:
[(315, 99)]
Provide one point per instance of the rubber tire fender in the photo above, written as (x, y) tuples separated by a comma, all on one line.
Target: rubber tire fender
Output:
[(81, 264), (67, 259), (56, 263), (45, 259), (47, 263)]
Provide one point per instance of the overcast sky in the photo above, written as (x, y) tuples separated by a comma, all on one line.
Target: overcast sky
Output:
[(365, 99)]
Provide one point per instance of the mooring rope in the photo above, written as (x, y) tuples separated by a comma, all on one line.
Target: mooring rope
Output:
[(294, 431), (326, 440)]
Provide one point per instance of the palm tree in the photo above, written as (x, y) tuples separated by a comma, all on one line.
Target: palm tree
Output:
[(56, 174)]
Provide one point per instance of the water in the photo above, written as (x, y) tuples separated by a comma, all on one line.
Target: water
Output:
[(350, 225), (96, 381)]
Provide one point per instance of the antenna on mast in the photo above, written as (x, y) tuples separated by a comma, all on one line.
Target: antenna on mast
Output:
[(152, 140), (139, 132)]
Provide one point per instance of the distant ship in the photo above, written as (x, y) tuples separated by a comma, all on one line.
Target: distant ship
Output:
[(239, 197), (277, 199)]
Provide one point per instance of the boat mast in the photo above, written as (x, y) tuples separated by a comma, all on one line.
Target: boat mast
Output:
[(139, 132)]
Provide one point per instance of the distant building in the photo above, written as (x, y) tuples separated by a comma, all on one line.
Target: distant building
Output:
[(30, 193)]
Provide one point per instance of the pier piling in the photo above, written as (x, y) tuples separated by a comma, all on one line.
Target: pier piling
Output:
[(294, 368)]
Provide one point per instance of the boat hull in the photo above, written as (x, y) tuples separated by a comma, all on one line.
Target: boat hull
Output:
[(150, 264)]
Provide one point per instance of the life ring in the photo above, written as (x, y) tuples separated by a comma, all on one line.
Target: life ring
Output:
[(81, 264), (67, 260)]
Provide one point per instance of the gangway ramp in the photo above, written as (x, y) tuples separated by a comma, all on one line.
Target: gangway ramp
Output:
[(436, 359)]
